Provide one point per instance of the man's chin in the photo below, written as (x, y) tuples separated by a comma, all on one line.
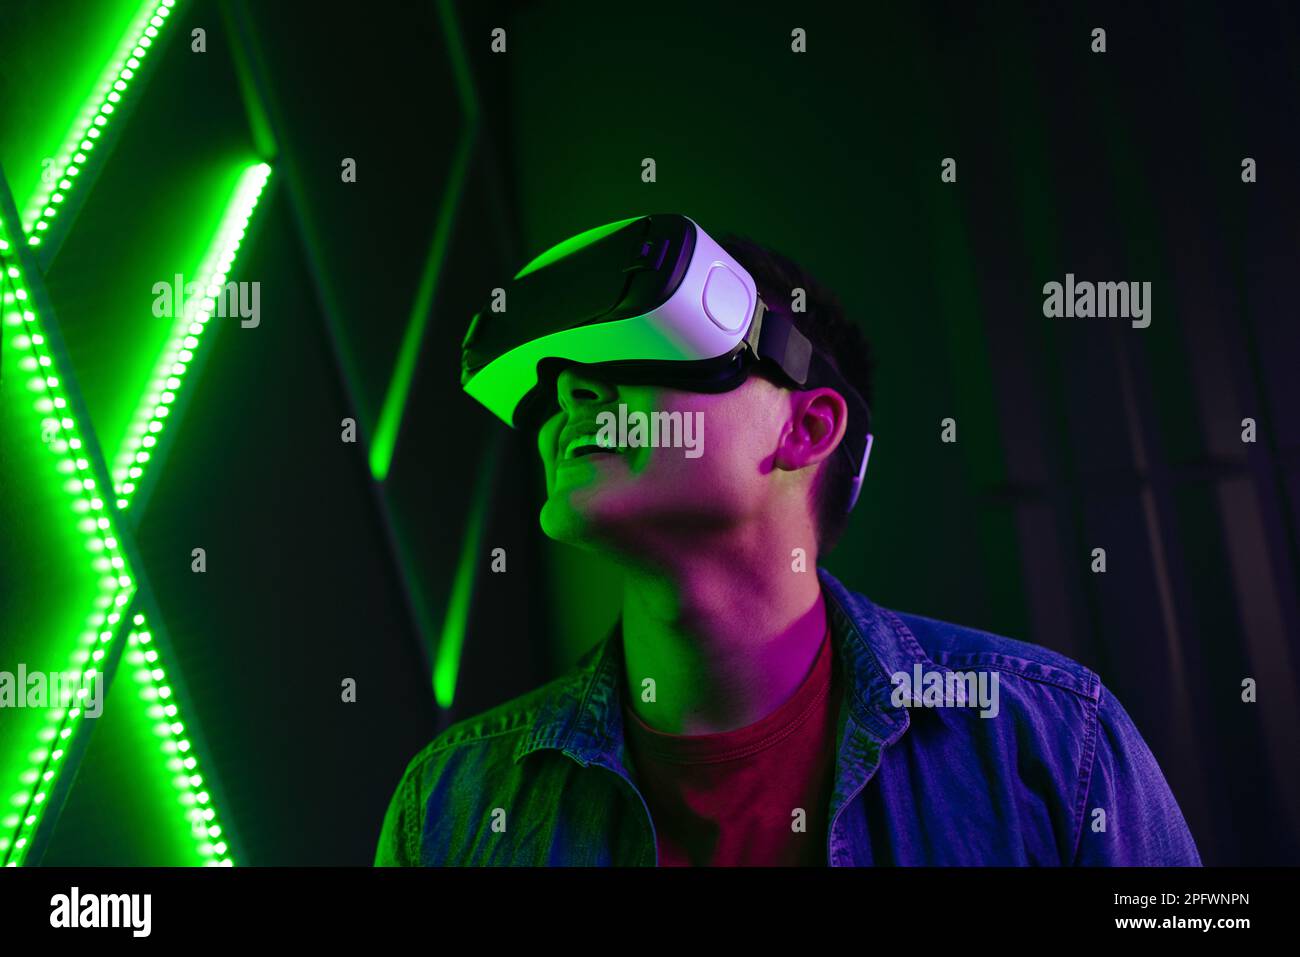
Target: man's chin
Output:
[(576, 523)]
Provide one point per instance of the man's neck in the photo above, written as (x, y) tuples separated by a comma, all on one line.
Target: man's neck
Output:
[(726, 639)]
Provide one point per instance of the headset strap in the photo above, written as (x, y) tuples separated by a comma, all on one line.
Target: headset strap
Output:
[(775, 338)]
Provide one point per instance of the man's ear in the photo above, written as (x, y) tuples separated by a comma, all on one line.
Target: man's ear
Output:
[(818, 419)]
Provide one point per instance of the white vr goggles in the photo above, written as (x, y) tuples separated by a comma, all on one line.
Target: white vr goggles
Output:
[(653, 299)]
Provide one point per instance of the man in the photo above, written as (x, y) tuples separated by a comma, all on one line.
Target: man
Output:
[(748, 708)]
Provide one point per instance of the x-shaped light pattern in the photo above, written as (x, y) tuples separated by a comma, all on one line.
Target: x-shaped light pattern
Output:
[(446, 668), (446, 647), (102, 522), (135, 457)]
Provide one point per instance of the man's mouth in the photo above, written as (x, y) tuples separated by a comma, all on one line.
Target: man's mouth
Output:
[(586, 444)]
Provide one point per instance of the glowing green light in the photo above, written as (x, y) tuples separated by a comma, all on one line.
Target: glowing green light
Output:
[(59, 434), (185, 339), (141, 651), (100, 103)]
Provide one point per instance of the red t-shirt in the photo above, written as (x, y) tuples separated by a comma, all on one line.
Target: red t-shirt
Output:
[(729, 799)]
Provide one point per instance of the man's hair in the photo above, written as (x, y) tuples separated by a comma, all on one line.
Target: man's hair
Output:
[(833, 334)]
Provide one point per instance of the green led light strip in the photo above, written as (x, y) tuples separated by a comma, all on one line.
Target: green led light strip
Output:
[(177, 750), (52, 195), (137, 449), (156, 694), (59, 430), (60, 433)]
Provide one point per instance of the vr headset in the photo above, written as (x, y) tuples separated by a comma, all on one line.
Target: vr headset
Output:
[(649, 300)]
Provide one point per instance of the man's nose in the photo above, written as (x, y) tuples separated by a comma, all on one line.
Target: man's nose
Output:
[(579, 385)]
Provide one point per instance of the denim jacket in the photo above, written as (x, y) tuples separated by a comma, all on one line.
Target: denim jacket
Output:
[(1055, 774)]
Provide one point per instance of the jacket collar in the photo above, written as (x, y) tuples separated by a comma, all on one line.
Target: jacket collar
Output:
[(584, 717)]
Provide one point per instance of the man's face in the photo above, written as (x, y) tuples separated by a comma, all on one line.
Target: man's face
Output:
[(627, 498)]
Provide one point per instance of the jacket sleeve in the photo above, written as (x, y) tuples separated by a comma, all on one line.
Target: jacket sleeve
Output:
[(1129, 816), (399, 836)]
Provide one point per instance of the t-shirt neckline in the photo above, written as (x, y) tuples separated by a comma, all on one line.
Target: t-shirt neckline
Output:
[(738, 743)]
